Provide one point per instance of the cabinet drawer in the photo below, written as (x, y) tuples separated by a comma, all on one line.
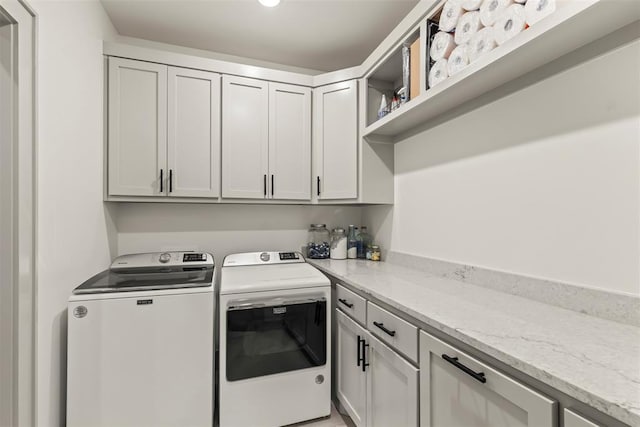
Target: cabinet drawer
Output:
[(573, 419), (393, 330), (352, 304)]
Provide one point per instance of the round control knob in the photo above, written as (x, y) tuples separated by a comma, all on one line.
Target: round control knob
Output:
[(264, 256), (165, 257)]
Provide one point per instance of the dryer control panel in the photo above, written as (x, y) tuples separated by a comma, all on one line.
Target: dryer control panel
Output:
[(263, 258)]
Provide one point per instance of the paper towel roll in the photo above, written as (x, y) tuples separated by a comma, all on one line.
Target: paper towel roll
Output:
[(468, 25), (441, 46), (490, 10), (510, 23), (470, 4), (482, 42), (438, 72), (458, 59), (535, 10), (451, 11)]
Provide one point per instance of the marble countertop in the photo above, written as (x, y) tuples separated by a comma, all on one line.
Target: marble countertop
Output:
[(593, 360)]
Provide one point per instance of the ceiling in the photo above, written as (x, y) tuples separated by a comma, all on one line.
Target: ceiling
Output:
[(322, 35)]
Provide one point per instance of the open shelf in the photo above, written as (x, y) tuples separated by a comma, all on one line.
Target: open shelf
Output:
[(573, 25), (388, 77)]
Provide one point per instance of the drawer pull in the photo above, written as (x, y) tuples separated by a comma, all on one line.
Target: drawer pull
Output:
[(344, 301), (360, 340), (454, 361), (388, 332)]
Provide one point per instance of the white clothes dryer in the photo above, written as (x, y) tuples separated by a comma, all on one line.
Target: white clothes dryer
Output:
[(141, 343), (275, 339)]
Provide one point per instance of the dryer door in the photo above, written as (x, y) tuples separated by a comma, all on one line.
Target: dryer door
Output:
[(274, 336)]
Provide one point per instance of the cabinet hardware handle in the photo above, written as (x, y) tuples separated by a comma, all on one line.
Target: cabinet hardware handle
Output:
[(359, 351), (344, 301), (271, 185), (161, 180), (364, 355), (387, 331), (318, 182), (454, 361), (170, 180), (264, 184)]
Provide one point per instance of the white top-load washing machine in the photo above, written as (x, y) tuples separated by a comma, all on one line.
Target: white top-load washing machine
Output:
[(275, 328), (141, 343)]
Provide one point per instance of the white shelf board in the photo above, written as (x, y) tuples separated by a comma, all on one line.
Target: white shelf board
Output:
[(573, 25)]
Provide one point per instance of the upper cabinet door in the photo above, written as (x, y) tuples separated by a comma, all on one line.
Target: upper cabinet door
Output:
[(458, 390), (336, 141), (392, 388), (137, 128), (289, 142), (245, 137), (194, 133)]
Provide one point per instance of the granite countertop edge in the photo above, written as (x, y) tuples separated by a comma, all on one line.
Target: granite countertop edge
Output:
[(629, 415)]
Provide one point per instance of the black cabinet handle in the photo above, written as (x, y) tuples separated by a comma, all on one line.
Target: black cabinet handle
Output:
[(454, 361), (318, 182), (344, 301), (161, 179), (264, 184), (364, 355), (359, 352), (170, 180), (271, 184), (388, 332)]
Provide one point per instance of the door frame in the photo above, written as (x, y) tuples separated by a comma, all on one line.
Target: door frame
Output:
[(21, 222)]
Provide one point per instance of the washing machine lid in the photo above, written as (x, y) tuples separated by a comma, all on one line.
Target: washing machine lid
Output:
[(152, 271), (269, 276)]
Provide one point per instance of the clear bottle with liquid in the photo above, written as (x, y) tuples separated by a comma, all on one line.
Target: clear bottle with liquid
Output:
[(352, 243), (364, 240)]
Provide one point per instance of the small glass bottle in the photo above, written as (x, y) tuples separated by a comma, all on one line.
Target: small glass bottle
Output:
[(352, 243), (364, 240), (318, 241), (375, 253)]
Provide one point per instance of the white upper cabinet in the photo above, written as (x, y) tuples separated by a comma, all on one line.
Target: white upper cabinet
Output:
[(335, 115), (245, 137), (458, 390), (266, 140), (193, 133), (289, 142), (137, 128), (164, 130)]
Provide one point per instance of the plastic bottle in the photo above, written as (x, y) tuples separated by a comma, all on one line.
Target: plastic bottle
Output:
[(352, 243)]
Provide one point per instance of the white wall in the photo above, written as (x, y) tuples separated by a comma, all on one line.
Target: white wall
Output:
[(543, 182), (73, 226), (223, 229)]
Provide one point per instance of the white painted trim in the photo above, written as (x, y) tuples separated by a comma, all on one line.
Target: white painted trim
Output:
[(205, 64), (24, 209)]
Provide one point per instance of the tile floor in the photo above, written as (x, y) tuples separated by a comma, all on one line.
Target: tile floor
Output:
[(334, 420)]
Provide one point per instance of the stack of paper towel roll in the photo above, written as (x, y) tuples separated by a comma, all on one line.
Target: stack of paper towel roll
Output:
[(471, 28)]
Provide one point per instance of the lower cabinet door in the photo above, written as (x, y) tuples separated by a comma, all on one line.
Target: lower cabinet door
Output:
[(458, 390), (392, 387), (351, 385)]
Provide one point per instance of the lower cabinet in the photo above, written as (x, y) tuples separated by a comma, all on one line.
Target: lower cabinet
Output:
[(376, 386), (458, 390)]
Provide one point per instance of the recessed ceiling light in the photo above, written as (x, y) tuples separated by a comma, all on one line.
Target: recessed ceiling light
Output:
[(269, 3)]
